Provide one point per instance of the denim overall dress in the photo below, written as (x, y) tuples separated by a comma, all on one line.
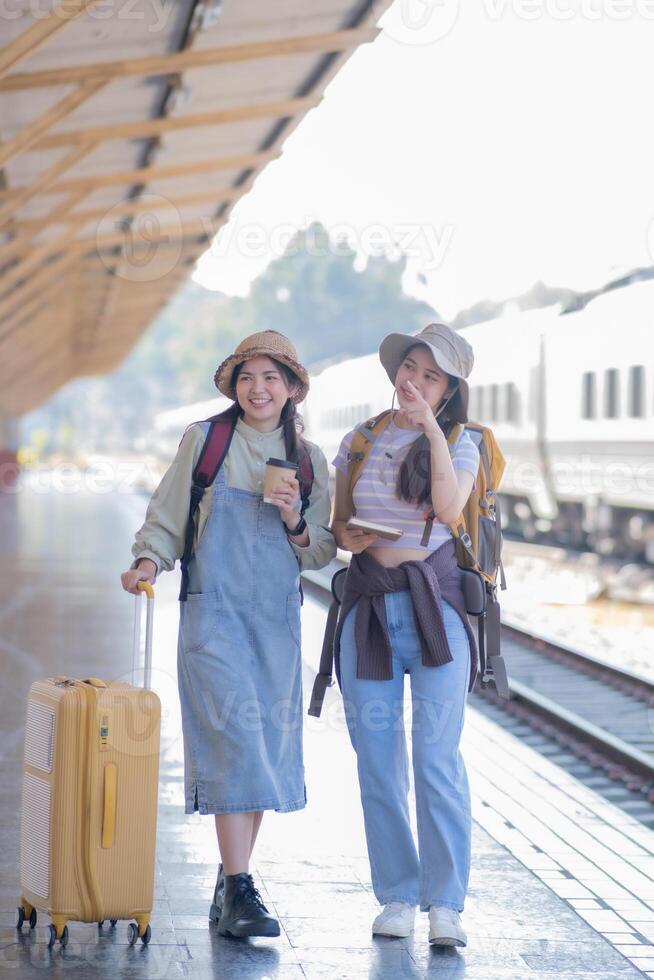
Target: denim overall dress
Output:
[(239, 663)]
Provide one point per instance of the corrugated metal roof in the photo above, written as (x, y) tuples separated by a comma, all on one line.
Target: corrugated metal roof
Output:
[(125, 126)]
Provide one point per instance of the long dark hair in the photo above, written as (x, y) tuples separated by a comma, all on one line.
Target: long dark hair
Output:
[(293, 441), (414, 478)]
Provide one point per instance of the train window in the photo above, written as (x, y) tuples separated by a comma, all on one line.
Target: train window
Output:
[(512, 406), (611, 393), (637, 391), (494, 400), (588, 395)]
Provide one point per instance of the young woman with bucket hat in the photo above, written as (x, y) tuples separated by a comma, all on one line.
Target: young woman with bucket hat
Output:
[(239, 660), (403, 612)]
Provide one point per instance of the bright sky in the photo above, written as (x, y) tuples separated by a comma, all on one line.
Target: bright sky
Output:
[(500, 143)]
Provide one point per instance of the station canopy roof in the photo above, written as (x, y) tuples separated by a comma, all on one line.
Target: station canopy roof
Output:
[(129, 129)]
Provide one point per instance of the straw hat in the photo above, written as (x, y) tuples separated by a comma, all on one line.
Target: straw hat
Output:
[(451, 351), (267, 343)]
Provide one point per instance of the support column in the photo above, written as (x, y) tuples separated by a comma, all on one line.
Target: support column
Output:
[(9, 468)]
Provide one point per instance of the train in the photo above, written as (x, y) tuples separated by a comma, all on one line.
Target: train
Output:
[(569, 396)]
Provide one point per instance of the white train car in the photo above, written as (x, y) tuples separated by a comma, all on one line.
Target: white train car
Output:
[(505, 393), (600, 415), (570, 398)]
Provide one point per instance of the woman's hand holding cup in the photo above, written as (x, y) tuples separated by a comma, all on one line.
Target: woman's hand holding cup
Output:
[(285, 496), (282, 490)]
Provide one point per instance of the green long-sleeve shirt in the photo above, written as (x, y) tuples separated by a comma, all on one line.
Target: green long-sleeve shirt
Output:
[(161, 538)]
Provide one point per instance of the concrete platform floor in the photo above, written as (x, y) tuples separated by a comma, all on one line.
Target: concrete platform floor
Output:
[(62, 611)]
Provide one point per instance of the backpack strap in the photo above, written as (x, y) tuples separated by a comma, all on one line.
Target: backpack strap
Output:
[(362, 442), (324, 676), (491, 662), (305, 477), (212, 454)]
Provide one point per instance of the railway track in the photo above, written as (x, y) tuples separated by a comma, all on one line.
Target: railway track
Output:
[(594, 719)]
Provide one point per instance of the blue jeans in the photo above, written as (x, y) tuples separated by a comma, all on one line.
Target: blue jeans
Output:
[(375, 718)]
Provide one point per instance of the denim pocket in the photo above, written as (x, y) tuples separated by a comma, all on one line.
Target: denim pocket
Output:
[(270, 524), (293, 617), (199, 615)]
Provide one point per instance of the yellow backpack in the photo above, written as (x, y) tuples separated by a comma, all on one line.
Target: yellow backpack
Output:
[(477, 533), (477, 530), (478, 538)]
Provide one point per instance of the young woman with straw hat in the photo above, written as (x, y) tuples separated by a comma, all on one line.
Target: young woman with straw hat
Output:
[(239, 661), (403, 612)]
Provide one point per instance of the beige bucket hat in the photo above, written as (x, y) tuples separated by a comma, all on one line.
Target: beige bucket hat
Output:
[(451, 351), (269, 343)]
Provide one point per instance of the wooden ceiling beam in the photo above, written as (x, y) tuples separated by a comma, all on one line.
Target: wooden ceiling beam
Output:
[(27, 230), (180, 61), (42, 31), (144, 174), (41, 184), (156, 127), (22, 244), (28, 310), (30, 134), (36, 282), (22, 269), (40, 336), (169, 236), (18, 394), (11, 325), (81, 246)]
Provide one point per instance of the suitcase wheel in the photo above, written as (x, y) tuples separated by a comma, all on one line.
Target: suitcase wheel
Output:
[(52, 938), (133, 934), (21, 916)]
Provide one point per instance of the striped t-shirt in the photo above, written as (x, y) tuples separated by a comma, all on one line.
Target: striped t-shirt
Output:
[(374, 492)]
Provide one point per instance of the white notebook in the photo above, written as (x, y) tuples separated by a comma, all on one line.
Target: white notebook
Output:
[(383, 530)]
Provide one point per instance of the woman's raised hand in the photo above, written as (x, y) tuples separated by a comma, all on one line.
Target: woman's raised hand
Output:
[(420, 415), (146, 572)]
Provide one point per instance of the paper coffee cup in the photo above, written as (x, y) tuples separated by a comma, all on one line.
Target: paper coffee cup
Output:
[(276, 470)]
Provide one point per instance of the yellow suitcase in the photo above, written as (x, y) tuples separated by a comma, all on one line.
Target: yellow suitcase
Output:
[(89, 799)]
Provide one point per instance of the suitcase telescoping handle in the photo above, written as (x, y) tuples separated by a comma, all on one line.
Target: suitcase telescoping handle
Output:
[(143, 587)]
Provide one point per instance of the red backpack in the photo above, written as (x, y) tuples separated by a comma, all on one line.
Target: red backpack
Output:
[(215, 448)]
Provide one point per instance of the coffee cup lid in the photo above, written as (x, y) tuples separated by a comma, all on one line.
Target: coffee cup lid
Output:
[(285, 463)]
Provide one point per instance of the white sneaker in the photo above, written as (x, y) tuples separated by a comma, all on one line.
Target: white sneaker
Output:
[(395, 919), (445, 927)]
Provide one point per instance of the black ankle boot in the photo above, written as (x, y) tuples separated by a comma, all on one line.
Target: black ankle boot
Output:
[(244, 913), (216, 909)]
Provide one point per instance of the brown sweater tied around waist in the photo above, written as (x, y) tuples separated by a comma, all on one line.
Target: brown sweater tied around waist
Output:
[(429, 580)]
